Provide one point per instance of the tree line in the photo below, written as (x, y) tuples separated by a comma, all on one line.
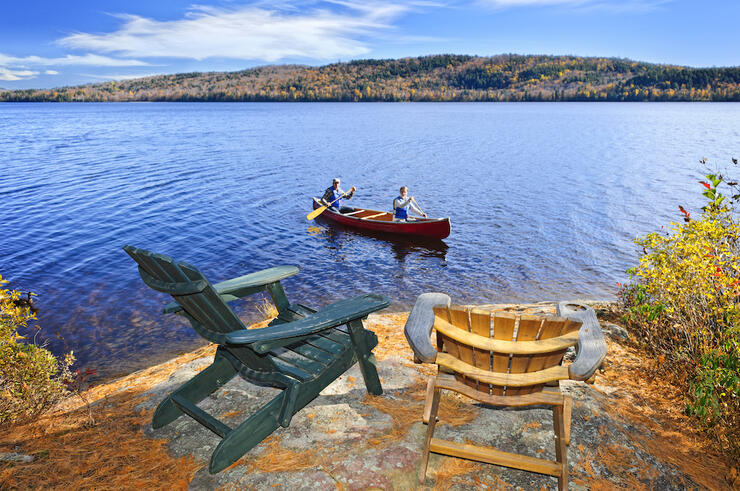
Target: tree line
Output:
[(448, 77)]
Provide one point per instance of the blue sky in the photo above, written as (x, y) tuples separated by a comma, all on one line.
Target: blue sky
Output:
[(47, 44)]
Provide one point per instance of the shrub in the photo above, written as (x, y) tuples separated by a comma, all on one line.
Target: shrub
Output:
[(684, 307), (31, 378)]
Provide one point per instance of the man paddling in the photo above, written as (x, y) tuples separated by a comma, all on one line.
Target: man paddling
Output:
[(333, 197), (402, 204)]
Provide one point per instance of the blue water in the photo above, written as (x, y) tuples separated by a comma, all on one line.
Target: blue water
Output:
[(544, 199)]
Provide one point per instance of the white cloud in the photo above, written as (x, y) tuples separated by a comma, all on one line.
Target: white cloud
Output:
[(8, 74), (120, 76), (17, 67), (247, 33), (87, 59), (525, 3), (583, 5)]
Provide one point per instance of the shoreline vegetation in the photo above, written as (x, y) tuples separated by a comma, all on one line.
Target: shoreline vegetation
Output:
[(436, 78)]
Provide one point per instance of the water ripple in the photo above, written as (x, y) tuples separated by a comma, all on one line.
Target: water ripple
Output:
[(544, 200)]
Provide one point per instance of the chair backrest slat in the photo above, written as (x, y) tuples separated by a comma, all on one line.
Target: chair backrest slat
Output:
[(480, 324), (443, 313), (459, 318), (528, 329), (215, 313), (204, 307), (448, 344), (559, 328), (503, 329), (550, 328)]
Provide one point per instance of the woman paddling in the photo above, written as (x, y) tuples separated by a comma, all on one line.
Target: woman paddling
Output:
[(402, 204)]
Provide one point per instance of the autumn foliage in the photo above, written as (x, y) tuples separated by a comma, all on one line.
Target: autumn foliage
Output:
[(447, 77), (31, 377), (684, 306)]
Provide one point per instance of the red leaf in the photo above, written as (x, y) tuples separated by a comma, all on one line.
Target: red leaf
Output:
[(706, 185), (682, 210)]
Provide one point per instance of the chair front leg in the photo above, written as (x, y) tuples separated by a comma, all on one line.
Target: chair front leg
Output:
[(567, 413), (365, 357), (561, 450), (434, 408), (428, 403), (278, 296)]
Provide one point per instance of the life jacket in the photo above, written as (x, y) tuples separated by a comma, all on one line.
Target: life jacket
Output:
[(335, 193), (402, 213)]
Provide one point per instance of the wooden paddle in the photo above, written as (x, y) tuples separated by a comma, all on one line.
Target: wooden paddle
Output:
[(419, 207), (318, 211)]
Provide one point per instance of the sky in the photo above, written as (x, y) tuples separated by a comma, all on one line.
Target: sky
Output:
[(45, 44)]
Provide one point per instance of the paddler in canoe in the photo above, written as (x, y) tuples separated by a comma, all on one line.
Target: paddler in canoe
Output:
[(402, 204), (334, 194)]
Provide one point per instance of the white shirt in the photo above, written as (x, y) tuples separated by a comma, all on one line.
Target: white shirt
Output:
[(407, 203)]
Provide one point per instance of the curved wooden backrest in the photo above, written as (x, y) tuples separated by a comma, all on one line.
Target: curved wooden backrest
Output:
[(187, 285), (502, 353)]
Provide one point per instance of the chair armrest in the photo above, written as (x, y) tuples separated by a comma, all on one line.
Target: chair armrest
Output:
[(336, 314), (259, 279), (244, 285), (419, 325), (591, 349)]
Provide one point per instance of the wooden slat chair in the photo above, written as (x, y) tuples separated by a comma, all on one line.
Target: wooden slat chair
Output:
[(301, 351), (503, 359)]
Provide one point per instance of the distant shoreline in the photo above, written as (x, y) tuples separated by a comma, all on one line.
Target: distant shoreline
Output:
[(436, 78)]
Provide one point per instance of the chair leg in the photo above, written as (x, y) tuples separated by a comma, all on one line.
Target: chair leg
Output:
[(194, 390), (561, 450), (567, 411), (247, 435), (365, 357), (430, 432), (428, 403)]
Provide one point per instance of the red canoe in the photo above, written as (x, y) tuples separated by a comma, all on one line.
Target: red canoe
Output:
[(382, 221)]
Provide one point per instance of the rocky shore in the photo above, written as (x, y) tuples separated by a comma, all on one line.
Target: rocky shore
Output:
[(628, 432)]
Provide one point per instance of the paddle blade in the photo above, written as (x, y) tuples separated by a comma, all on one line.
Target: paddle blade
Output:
[(316, 212)]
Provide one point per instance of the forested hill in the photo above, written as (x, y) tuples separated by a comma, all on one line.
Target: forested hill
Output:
[(427, 78)]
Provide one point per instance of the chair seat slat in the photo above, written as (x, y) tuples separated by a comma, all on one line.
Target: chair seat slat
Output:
[(292, 370), (298, 360), (337, 336), (325, 344), (310, 352)]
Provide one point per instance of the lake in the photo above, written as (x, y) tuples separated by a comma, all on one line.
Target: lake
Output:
[(544, 198)]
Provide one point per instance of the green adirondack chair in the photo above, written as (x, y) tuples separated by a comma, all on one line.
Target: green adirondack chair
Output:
[(301, 351)]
